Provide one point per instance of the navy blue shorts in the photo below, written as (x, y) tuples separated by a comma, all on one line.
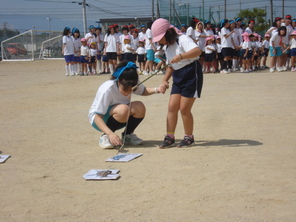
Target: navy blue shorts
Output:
[(112, 55), (188, 80), (76, 58), (83, 59), (266, 51), (293, 52), (209, 57), (227, 52), (141, 58), (69, 58), (128, 57)]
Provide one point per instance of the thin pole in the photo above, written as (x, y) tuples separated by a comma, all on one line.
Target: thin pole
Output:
[(271, 11), (84, 16), (283, 8), (224, 9)]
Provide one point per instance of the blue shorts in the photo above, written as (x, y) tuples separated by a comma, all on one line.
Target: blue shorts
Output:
[(83, 59), (76, 58), (293, 52), (105, 118), (157, 60), (188, 80), (278, 51), (150, 55), (105, 58), (99, 56), (69, 58)]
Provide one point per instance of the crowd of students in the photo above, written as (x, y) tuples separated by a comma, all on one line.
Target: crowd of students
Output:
[(231, 47)]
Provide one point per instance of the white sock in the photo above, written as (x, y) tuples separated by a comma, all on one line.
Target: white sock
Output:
[(67, 69), (111, 68), (71, 69), (99, 66)]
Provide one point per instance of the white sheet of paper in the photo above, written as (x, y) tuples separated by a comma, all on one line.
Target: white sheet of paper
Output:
[(124, 157), (94, 174), (3, 158)]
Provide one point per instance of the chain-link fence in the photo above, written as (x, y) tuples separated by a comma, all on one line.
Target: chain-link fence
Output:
[(32, 45)]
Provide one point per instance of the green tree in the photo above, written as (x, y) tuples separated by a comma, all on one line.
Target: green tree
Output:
[(256, 14)]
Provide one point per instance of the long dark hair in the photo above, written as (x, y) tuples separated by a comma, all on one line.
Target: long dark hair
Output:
[(129, 77), (66, 31), (171, 36), (282, 28)]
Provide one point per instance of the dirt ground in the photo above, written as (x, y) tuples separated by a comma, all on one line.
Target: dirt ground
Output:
[(242, 168)]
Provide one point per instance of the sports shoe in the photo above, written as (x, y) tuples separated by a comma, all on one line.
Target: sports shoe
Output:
[(271, 70), (167, 143), (105, 142), (145, 73), (187, 141), (229, 71), (223, 71), (132, 139)]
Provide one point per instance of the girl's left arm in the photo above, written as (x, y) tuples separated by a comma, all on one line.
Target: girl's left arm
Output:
[(193, 53)]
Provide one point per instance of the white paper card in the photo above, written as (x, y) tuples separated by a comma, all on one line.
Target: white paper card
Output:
[(124, 157), (3, 158), (102, 174)]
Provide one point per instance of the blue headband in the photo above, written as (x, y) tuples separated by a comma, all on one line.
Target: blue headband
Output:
[(294, 20), (120, 70), (231, 22)]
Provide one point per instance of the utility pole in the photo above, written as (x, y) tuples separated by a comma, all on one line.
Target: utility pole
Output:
[(83, 3), (203, 10), (84, 16), (224, 9), (271, 11), (283, 8), (187, 13), (152, 10)]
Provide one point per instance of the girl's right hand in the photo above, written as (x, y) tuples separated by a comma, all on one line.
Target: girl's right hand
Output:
[(114, 139)]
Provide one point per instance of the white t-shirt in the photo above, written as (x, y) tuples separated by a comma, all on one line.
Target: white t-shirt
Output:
[(293, 43), (246, 45), (126, 50), (266, 44), (93, 52), (289, 31), (112, 41), (147, 42), (208, 32), (190, 32), (101, 42), (77, 45), (238, 33), (90, 40), (141, 51), (208, 51), (277, 39), (69, 45), (184, 44), (226, 42), (273, 32), (249, 31), (142, 36), (84, 50), (219, 48), (201, 40), (108, 95)]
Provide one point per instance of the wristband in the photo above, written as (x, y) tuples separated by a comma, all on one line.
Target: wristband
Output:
[(155, 90)]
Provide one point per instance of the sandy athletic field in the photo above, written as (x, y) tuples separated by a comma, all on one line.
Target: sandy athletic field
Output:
[(243, 167)]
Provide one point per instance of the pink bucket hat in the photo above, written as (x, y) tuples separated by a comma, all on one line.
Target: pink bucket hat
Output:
[(83, 40), (266, 35), (159, 28), (127, 37), (293, 33)]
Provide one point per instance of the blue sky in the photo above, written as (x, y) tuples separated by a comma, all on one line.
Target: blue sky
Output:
[(56, 14)]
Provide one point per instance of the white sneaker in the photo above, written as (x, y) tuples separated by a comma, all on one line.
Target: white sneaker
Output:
[(223, 71), (132, 139), (105, 142), (66, 74), (229, 71), (280, 69), (145, 73), (271, 70)]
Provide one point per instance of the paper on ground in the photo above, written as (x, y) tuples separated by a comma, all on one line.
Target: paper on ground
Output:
[(124, 157), (3, 158), (97, 174)]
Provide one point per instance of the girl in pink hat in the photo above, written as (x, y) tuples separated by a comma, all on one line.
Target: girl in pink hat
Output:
[(182, 56), (210, 53)]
